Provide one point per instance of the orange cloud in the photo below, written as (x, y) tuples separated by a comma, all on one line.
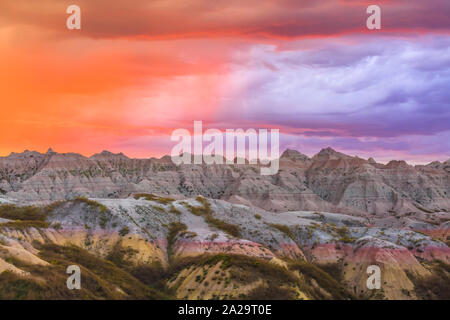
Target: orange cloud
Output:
[(68, 93)]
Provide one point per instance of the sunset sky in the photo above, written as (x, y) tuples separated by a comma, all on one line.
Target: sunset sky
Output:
[(140, 69)]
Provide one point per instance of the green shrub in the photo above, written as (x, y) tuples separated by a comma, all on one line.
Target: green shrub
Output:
[(24, 224), (174, 229), (159, 209), (284, 229), (327, 282), (28, 213), (344, 235), (203, 210), (188, 234), (229, 228), (270, 292), (103, 220), (174, 210), (92, 204), (124, 231), (57, 226), (120, 256), (152, 197), (433, 287), (152, 274)]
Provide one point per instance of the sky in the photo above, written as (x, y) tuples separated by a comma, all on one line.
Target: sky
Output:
[(138, 70)]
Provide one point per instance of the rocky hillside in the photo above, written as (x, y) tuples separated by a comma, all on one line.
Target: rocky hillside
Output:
[(153, 247), (148, 229), (329, 181)]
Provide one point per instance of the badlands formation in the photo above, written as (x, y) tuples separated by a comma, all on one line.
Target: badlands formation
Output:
[(146, 228)]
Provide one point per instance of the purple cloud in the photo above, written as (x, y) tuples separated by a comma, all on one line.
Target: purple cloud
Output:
[(348, 88)]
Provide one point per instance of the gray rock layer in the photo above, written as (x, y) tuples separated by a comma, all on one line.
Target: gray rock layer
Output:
[(329, 181)]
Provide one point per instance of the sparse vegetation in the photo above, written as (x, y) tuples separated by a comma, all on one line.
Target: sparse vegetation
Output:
[(92, 204), (284, 229), (117, 277), (124, 231), (24, 224), (174, 210), (101, 278), (27, 213), (57, 226), (174, 229), (344, 235), (96, 206), (231, 229), (120, 256), (214, 236), (159, 209), (203, 210), (270, 292), (435, 286), (152, 197), (206, 212), (152, 274), (241, 270), (329, 283)]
